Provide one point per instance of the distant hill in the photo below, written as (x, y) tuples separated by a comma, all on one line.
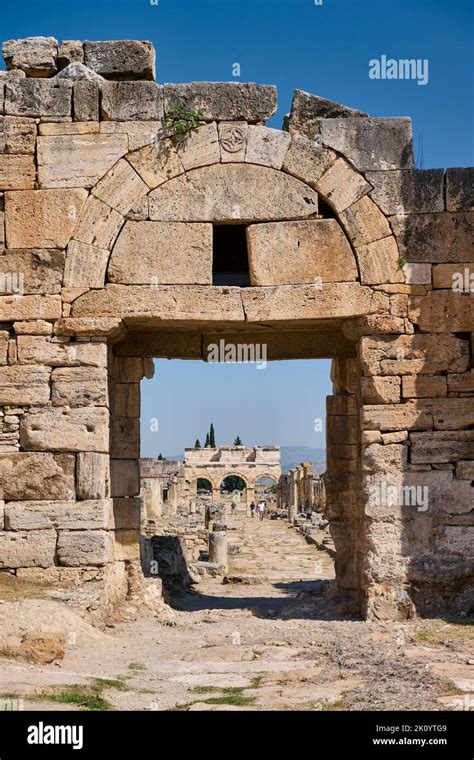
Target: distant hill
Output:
[(290, 457)]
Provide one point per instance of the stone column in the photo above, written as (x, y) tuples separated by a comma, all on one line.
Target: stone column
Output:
[(218, 548)]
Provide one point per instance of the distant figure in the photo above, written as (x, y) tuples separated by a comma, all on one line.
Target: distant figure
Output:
[(252, 509), (261, 510), (233, 507)]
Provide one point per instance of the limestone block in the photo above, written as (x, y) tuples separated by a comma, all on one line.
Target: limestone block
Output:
[(465, 470), (221, 101), (380, 390), (17, 172), (299, 252), (61, 515), (417, 274), (78, 72), (232, 193), (70, 51), (36, 56), (125, 477), (19, 134), (38, 97), (77, 160), (41, 270), (408, 191), (93, 476), (343, 405), (373, 324), (409, 416), (453, 413), (456, 540), (78, 386), (442, 311), (413, 355), (417, 492), (86, 265), (440, 446), (342, 429), (127, 514), (36, 476), (126, 438), (458, 277), (424, 386), (34, 548), (157, 253), (85, 547), (34, 349), (341, 186), (24, 385), (85, 429), (157, 163), (37, 327), (371, 144), (139, 133), (399, 437), (42, 218), (306, 161), (267, 147), (378, 262), (126, 401), (51, 129), (2, 232), (386, 459), (131, 101), (121, 187), (99, 327), (4, 336), (199, 147), (139, 210), (307, 110), (98, 225), (364, 222), (86, 101), (29, 307), (233, 140), (459, 189), (121, 59), (127, 545), (435, 238), (462, 383)]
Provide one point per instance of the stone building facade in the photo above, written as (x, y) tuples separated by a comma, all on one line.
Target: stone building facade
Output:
[(108, 240), (301, 487)]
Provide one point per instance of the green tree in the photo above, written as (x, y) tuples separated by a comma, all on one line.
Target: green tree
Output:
[(212, 437), (197, 445), (206, 445), (238, 442), (161, 458)]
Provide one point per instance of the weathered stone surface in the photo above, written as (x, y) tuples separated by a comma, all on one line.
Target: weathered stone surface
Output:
[(17, 172), (364, 222), (42, 270), (380, 390), (127, 545), (107, 328), (93, 476), (231, 193), (98, 225), (299, 252), (460, 189), (126, 438), (462, 383), (452, 413), (61, 515), (199, 147), (2, 232), (233, 140), (384, 458), (422, 492), (434, 447), (36, 56), (125, 477), (141, 255), (157, 163), (124, 101), (417, 274), (121, 59), (126, 401), (443, 413), (38, 97), (88, 547), (42, 218), (465, 470), (307, 110), (435, 238), (408, 191), (34, 548), (70, 51), (86, 100), (121, 187), (66, 429), (220, 101), (79, 386), (86, 265), (423, 386), (442, 311), (371, 144), (126, 514), (33, 349), (17, 135), (413, 354), (373, 324), (267, 147), (77, 160), (378, 262), (4, 336), (24, 385), (341, 186), (306, 161), (36, 476), (457, 277), (78, 72), (29, 307), (139, 133)]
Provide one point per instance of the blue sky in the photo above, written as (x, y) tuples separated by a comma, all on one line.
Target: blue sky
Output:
[(324, 49)]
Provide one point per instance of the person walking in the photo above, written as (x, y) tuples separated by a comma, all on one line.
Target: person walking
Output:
[(233, 507), (252, 509), (261, 510)]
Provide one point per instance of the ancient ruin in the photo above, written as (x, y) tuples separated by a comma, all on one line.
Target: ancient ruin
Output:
[(112, 231)]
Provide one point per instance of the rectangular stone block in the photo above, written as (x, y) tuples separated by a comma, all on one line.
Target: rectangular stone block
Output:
[(220, 101), (437, 238), (267, 147), (19, 135), (121, 59), (41, 270), (465, 470), (156, 163), (380, 390), (4, 337), (342, 429), (306, 161), (121, 187), (463, 383), (34, 548), (98, 226), (86, 101), (129, 101), (127, 514), (371, 143), (364, 222), (17, 172), (78, 386), (125, 477), (36, 476), (24, 385), (127, 545), (126, 399), (413, 354), (424, 386), (85, 547), (77, 160), (200, 148), (340, 405), (456, 540), (442, 311), (36, 349), (61, 515), (38, 97), (93, 476), (437, 447), (49, 129), (42, 218), (417, 274), (378, 262), (453, 413), (233, 140), (460, 189), (36, 56), (126, 438), (409, 416), (408, 191), (456, 277), (86, 265), (29, 307), (341, 185), (85, 429)]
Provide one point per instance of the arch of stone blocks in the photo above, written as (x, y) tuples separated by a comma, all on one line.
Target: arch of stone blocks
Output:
[(88, 192)]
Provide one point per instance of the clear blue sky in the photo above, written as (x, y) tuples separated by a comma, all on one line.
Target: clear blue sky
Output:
[(293, 44)]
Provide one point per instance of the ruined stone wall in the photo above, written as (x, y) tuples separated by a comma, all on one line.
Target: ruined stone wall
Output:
[(106, 252)]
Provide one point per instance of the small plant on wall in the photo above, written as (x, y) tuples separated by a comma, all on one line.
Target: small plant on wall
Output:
[(181, 120)]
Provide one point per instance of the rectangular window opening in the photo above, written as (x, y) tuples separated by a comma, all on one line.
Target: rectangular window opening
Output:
[(230, 264)]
